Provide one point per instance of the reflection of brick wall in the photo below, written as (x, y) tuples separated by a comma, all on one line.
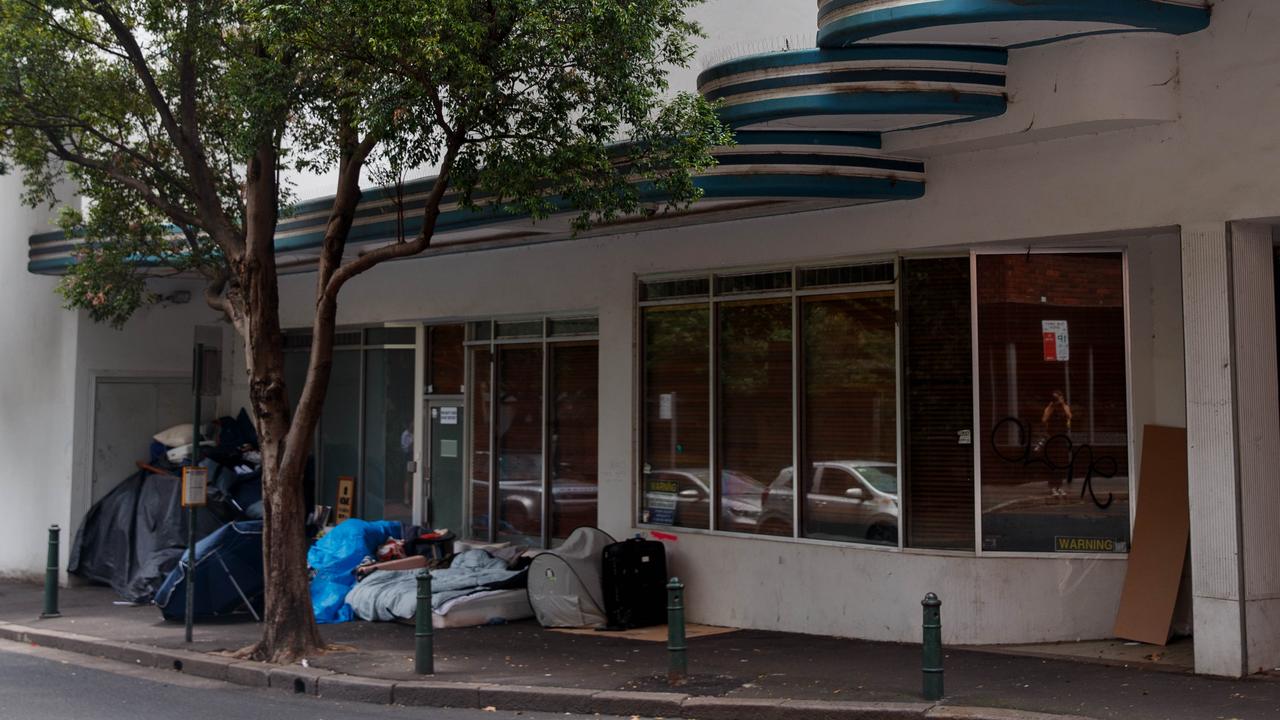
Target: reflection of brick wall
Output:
[(1061, 280), (1086, 292)]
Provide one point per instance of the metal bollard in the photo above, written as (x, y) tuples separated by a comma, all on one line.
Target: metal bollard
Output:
[(51, 576), (423, 650), (932, 647), (678, 665)]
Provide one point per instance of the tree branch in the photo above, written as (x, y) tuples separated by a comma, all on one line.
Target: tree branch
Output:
[(216, 222), (431, 215), (149, 195)]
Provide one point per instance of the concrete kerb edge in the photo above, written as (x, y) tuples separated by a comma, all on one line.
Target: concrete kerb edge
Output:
[(467, 695)]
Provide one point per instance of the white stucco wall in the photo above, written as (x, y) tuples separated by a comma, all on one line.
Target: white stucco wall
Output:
[(49, 361), (37, 397)]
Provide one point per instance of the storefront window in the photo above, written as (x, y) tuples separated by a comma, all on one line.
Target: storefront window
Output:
[(754, 419), (677, 413), (1053, 402), (388, 434), (542, 424), (519, 443), (850, 413), (575, 374), (339, 451), (937, 428), (481, 427)]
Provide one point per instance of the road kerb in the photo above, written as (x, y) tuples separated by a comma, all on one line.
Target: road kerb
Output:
[(435, 693)]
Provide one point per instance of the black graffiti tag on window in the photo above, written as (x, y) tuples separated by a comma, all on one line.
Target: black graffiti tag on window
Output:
[(1059, 454)]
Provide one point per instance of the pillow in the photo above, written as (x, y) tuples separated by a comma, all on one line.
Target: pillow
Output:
[(174, 436)]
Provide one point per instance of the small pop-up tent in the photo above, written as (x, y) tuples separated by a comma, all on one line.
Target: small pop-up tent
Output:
[(564, 584), (228, 575)]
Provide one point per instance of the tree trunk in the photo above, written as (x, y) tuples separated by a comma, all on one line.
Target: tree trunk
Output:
[(289, 629)]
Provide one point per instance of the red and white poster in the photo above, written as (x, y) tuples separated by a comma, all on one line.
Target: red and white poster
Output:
[(1057, 343)]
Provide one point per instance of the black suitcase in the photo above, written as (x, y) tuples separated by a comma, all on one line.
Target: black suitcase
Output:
[(634, 580)]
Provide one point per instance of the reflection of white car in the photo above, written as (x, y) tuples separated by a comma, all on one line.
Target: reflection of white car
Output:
[(683, 498), (849, 499)]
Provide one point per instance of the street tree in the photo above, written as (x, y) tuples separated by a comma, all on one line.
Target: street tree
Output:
[(178, 119)]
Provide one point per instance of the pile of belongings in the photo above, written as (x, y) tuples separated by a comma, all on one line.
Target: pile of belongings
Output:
[(368, 571), (133, 537), (391, 594), (228, 575), (333, 560)]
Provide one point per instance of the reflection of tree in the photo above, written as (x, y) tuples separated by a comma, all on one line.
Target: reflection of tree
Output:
[(849, 343), (751, 335), (677, 337)]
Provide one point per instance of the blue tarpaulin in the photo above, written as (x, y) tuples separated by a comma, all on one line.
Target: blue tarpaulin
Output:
[(334, 559)]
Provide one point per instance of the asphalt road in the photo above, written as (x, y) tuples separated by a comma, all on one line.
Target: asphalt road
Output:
[(54, 685)]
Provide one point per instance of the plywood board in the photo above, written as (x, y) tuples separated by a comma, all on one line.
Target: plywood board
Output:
[(1161, 532)]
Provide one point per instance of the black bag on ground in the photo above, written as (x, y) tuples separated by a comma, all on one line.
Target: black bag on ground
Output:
[(634, 580)]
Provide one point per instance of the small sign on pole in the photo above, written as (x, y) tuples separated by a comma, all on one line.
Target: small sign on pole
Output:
[(195, 486)]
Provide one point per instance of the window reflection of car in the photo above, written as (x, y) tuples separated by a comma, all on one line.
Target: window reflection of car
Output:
[(683, 498), (573, 501), (848, 500)]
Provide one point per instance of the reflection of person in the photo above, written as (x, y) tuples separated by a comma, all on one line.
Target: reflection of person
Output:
[(1055, 421), (406, 446)]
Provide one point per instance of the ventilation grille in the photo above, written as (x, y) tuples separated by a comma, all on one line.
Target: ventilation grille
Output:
[(862, 274), (390, 336), (772, 281), (673, 289), (519, 329), (567, 327)]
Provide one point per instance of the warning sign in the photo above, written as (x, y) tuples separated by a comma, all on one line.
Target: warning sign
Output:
[(1057, 342)]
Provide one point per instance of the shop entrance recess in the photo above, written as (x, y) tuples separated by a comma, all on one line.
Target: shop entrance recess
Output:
[(444, 481)]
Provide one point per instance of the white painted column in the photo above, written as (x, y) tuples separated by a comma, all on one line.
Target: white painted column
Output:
[(1233, 426)]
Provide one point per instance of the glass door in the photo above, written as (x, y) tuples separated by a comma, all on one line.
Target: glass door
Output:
[(445, 491)]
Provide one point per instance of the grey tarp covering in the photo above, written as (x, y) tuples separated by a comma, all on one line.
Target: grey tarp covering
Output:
[(133, 537), (564, 584), (389, 595)]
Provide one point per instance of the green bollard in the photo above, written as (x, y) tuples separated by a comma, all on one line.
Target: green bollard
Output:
[(678, 665), (423, 652), (932, 647), (51, 576)]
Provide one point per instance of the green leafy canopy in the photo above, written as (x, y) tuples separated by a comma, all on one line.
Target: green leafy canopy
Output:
[(157, 110)]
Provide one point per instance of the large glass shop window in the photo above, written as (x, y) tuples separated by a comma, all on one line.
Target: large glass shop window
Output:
[(388, 434), (1053, 402), (754, 429), (573, 395), (677, 410), (937, 428), (518, 416), (850, 418)]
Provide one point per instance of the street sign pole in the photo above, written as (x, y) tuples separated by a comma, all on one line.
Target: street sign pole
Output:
[(197, 377)]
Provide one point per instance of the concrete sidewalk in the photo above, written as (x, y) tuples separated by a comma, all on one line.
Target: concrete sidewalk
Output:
[(744, 673)]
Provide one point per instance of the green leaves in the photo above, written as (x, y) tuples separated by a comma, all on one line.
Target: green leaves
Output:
[(162, 109)]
